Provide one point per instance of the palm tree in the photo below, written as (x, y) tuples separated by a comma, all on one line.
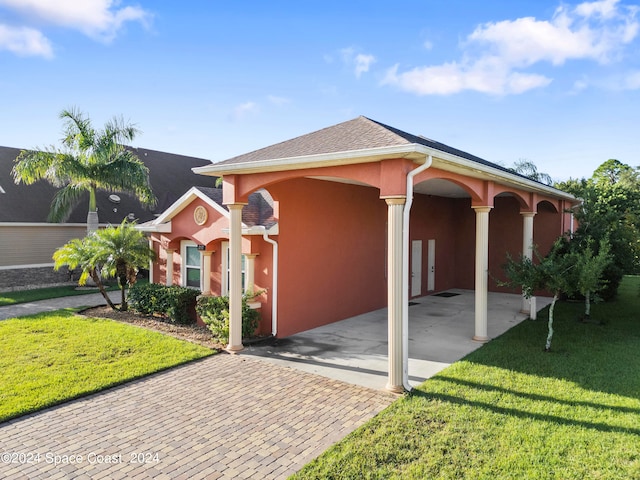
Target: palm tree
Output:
[(112, 252), (122, 251), (529, 169), (80, 253), (89, 160)]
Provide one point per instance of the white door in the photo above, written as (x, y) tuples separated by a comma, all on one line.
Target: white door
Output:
[(416, 268), (431, 265)]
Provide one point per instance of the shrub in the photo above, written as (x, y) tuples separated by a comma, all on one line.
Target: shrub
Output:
[(214, 312), (174, 302)]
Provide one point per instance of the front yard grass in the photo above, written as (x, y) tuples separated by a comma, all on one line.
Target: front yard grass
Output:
[(511, 411), (52, 357)]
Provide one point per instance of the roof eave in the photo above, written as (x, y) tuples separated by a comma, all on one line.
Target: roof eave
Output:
[(499, 175), (412, 151)]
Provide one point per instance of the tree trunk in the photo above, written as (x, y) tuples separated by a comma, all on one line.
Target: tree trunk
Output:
[(98, 282), (550, 334), (122, 280), (587, 305), (92, 222)]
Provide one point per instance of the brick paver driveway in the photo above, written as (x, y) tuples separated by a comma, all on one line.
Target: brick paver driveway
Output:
[(226, 416)]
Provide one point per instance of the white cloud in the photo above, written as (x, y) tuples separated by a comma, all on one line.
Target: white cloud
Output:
[(632, 81), (24, 41), (278, 101), (497, 53), (360, 62), (452, 78), (245, 109), (97, 19), (363, 62)]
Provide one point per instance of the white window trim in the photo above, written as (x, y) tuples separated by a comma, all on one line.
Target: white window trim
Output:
[(224, 287), (183, 264)]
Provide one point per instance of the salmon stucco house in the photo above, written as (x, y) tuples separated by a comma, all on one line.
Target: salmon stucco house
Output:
[(353, 218)]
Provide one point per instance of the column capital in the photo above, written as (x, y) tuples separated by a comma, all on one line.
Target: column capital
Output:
[(528, 214), (251, 255), (170, 250), (235, 206), (207, 253), (482, 209), (395, 200)]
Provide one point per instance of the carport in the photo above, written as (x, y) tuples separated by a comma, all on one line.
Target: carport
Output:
[(355, 350), (355, 203)]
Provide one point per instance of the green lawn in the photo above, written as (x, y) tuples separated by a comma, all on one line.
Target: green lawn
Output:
[(511, 411), (23, 296), (48, 358)]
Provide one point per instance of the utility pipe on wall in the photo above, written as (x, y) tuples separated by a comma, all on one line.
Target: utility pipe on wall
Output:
[(405, 269), (274, 288)]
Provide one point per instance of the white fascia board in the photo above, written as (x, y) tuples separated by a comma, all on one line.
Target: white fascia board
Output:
[(150, 227), (260, 230), (500, 175), (414, 151), (184, 201)]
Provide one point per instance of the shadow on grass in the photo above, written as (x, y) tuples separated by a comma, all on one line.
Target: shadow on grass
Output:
[(536, 397), (602, 427), (602, 357)]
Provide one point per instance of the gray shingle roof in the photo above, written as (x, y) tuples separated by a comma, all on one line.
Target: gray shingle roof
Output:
[(259, 210), (170, 176), (357, 134)]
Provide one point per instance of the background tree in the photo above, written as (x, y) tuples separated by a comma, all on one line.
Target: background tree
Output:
[(610, 209), (589, 270), (89, 160), (549, 273), (529, 169), (113, 252)]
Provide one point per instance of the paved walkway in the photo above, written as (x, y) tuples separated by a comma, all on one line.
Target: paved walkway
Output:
[(227, 416), (30, 308)]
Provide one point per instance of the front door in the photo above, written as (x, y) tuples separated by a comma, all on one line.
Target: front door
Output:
[(416, 268)]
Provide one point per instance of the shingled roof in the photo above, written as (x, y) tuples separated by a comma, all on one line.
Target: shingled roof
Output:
[(361, 133), (171, 175)]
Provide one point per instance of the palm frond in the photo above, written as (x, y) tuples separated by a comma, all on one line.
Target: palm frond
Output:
[(64, 202)]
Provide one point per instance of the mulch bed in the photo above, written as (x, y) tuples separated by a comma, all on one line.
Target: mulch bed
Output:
[(191, 333)]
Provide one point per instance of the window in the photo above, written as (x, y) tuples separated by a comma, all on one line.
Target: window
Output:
[(226, 268), (191, 265)]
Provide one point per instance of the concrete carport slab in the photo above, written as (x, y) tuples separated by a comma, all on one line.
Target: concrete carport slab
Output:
[(355, 350)]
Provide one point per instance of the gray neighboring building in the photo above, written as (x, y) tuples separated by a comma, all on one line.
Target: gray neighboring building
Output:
[(27, 240)]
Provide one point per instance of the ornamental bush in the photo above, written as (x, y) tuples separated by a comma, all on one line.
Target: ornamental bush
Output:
[(175, 304), (214, 312)]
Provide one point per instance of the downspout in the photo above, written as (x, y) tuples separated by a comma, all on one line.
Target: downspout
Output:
[(406, 214), (274, 288)]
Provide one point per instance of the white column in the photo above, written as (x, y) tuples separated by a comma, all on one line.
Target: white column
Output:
[(205, 261), (395, 208), (482, 272), (235, 278), (169, 280), (249, 272), (527, 249)]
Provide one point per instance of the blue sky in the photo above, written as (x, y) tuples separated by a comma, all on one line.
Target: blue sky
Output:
[(552, 82)]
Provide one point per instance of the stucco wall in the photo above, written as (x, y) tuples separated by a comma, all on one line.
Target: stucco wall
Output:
[(435, 218), (332, 252)]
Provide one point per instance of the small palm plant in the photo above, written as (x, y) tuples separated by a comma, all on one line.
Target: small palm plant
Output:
[(112, 252)]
